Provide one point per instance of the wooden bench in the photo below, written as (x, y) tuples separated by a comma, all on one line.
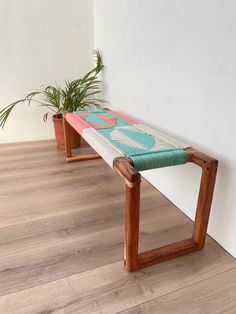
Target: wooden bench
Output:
[(129, 147)]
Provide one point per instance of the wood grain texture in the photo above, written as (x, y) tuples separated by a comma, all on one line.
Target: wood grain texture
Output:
[(111, 289), (83, 157), (132, 213), (66, 134), (61, 239), (124, 167), (207, 184), (213, 296), (133, 260), (167, 252)]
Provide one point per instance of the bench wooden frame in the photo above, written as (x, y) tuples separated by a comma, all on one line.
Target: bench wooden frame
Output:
[(124, 166)]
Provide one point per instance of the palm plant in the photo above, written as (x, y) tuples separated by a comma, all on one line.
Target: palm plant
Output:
[(77, 95)]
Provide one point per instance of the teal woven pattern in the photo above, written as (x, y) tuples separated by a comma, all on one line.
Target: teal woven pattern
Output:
[(159, 159), (145, 156), (146, 149)]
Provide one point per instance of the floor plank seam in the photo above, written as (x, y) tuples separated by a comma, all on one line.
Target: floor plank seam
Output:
[(62, 278), (61, 235), (174, 291)]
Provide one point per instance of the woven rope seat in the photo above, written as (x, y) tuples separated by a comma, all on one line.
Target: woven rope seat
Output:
[(130, 147), (113, 135)]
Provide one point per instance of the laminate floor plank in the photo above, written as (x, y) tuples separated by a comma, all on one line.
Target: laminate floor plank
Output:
[(213, 296), (88, 239), (61, 239), (17, 147), (111, 289)]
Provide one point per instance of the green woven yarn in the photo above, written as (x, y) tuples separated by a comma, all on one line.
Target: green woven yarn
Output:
[(159, 159)]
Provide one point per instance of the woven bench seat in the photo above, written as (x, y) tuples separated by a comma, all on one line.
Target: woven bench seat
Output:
[(129, 147), (113, 135)]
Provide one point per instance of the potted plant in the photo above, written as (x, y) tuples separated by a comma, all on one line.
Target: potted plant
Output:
[(79, 94)]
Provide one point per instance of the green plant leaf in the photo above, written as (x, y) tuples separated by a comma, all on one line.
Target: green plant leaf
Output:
[(76, 95)]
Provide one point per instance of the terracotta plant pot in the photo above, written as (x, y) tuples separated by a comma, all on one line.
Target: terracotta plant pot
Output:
[(75, 138)]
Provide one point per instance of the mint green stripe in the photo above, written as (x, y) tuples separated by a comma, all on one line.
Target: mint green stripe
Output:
[(159, 159), (93, 118), (146, 140)]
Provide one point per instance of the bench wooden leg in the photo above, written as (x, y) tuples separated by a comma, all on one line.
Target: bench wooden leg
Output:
[(66, 129), (68, 150), (135, 260), (209, 170), (132, 209)]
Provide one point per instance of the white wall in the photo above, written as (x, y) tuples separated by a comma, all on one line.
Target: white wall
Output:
[(172, 64), (41, 41)]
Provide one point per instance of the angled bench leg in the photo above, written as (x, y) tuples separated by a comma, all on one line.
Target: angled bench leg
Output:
[(135, 260), (68, 150), (204, 205), (209, 171)]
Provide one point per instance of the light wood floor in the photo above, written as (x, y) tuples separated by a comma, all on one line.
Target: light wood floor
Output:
[(61, 243)]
